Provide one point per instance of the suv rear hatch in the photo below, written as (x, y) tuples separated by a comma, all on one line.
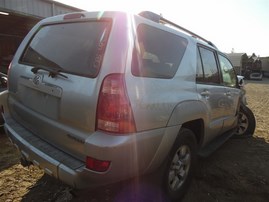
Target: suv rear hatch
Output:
[(53, 82)]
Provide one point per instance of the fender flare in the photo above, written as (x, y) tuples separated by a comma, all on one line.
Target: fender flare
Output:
[(188, 110)]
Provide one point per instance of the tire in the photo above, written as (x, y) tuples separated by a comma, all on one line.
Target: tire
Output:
[(180, 165), (246, 122)]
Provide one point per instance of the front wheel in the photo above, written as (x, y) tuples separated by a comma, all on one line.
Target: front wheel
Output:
[(246, 122), (181, 162)]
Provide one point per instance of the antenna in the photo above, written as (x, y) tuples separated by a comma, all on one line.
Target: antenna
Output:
[(159, 19)]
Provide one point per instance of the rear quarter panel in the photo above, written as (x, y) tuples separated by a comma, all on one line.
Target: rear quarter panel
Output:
[(154, 100)]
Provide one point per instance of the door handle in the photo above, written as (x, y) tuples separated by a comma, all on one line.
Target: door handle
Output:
[(229, 94), (205, 93)]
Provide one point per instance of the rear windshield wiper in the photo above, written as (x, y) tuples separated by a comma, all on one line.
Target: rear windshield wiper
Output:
[(53, 72)]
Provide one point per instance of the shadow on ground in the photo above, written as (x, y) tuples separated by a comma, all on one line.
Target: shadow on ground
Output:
[(236, 172)]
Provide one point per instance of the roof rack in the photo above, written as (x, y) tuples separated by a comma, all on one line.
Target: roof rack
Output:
[(159, 19)]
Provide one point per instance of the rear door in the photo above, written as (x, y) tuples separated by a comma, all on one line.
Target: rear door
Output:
[(53, 83), (210, 90)]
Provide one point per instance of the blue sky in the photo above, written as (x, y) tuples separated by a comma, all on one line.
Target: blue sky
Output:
[(241, 25)]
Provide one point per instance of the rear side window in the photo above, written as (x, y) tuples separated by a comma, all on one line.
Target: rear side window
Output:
[(207, 68), (158, 53), (77, 48)]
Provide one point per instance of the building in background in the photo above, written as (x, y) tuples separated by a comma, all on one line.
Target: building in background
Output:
[(251, 67), (17, 17), (238, 60), (265, 66)]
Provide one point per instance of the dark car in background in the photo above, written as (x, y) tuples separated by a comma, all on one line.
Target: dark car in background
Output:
[(3, 87)]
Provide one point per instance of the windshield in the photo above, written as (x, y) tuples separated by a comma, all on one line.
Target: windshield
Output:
[(77, 48)]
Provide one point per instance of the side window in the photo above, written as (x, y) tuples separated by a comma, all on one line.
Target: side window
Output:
[(207, 59), (199, 70), (158, 53), (228, 73)]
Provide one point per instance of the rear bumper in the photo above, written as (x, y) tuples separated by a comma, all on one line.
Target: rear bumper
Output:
[(129, 156), (54, 162)]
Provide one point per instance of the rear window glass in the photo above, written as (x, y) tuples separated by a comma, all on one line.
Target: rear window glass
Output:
[(158, 53), (76, 48)]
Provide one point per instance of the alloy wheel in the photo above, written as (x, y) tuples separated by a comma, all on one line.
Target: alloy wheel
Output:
[(179, 167)]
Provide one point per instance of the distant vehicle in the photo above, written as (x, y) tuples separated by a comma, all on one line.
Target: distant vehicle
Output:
[(3, 87), (3, 81), (253, 68), (256, 76), (96, 98)]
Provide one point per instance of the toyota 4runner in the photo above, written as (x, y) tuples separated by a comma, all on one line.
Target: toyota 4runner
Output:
[(98, 97)]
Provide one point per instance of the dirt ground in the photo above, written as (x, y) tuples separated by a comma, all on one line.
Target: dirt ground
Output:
[(238, 171)]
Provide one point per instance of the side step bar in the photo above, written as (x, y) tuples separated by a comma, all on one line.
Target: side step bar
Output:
[(215, 144)]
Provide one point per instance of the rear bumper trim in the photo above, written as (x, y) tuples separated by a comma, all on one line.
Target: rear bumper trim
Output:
[(62, 166)]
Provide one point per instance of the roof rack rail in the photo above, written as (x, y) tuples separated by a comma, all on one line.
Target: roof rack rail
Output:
[(159, 19)]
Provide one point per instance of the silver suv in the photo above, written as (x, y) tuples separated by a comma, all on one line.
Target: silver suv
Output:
[(98, 97)]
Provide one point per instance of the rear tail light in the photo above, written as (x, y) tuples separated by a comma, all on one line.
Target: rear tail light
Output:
[(114, 112), (97, 165)]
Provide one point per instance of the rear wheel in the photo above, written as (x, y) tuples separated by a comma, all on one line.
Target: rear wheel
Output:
[(246, 122), (181, 162)]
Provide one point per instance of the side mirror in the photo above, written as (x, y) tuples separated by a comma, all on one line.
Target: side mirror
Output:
[(241, 82)]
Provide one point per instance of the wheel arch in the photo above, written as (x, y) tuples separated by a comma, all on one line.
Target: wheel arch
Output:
[(191, 114), (197, 127)]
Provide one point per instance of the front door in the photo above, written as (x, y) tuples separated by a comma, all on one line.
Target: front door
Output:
[(229, 80)]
